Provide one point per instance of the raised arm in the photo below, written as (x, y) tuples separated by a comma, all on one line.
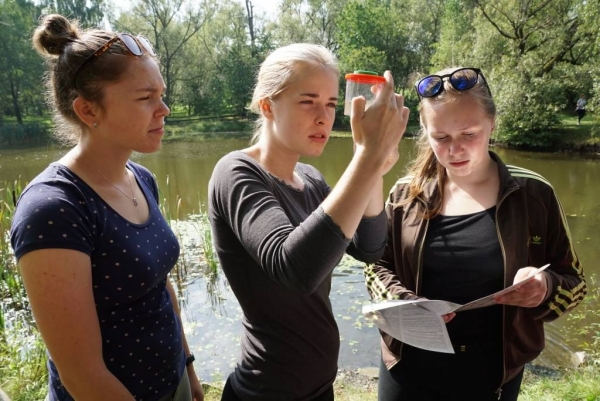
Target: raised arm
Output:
[(59, 287), (376, 135)]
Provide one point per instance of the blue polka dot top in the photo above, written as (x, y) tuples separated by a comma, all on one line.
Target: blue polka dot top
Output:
[(141, 333)]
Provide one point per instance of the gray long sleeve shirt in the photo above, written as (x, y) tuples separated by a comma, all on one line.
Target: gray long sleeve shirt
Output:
[(278, 249)]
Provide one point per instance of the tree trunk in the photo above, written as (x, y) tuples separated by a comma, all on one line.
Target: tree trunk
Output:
[(14, 92)]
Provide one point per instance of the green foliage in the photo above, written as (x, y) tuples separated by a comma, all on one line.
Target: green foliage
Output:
[(371, 37), (20, 68), (23, 373), (307, 21), (27, 133), (586, 317), (364, 58), (456, 39), (170, 25), (546, 47), (528, 108), (22, 357), (88, 12), (210, 52), (12, 290), (200, 128)]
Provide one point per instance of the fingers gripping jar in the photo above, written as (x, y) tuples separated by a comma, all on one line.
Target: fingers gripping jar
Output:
[(361, 83)]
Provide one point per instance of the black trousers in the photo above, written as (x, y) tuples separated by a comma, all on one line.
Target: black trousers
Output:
[(474, 375), (230, 395)]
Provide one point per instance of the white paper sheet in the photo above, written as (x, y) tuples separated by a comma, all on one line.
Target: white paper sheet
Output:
[(419, 322)]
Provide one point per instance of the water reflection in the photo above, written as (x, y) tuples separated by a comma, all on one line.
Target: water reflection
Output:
[(212, 315)]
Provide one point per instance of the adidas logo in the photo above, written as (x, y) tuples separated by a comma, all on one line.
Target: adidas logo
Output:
[(535, 240)]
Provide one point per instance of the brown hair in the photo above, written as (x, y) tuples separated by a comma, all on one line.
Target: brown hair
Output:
[(65, 47), (425, 167), (282, 67)]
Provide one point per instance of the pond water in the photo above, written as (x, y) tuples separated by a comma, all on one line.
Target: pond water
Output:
[(211, 314)]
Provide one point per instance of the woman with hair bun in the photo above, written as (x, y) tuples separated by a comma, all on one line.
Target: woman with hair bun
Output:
[(93, 248)]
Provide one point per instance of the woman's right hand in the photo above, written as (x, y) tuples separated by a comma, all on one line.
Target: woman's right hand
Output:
[(378, 130)]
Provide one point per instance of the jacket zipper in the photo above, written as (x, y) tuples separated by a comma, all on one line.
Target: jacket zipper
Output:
[(499, 390)]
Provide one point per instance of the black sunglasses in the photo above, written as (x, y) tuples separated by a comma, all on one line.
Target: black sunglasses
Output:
[(136, 45), (462, 79)]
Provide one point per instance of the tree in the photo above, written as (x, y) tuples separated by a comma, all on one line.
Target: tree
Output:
[(20, 68), (234, 54), (556, 31), (371, 35), (457, 36), (170, 25), (89, 13), (546, 44), (310, 21)]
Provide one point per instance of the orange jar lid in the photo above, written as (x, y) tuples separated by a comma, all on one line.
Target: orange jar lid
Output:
[(365, 77)]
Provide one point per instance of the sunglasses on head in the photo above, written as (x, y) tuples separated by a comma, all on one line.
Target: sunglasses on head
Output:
[(462, 79), (136, 45)]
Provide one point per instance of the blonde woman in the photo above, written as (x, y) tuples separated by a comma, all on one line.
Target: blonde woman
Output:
[(279, 229)]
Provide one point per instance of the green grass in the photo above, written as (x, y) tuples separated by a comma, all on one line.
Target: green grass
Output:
[(573, 385), (582, 384), (580, 136)]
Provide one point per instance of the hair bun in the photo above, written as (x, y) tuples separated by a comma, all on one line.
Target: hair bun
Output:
[(54, 33)]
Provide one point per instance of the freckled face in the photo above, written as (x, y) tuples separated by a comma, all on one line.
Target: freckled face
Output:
[(303, 114), (459, 134), (134, 111)]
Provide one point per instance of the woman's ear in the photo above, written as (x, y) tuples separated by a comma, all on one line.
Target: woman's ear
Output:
[(265, 108), (88, 112)]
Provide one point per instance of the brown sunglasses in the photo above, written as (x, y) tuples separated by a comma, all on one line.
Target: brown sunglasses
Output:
[(136, 45)]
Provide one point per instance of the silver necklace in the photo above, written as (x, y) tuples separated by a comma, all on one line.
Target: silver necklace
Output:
[(131, 198)]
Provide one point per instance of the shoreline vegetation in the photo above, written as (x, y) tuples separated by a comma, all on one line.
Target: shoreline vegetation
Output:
[(23, 373), (568, 136)]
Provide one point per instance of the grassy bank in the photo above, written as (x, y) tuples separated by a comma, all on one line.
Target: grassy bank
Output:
[(582, 384), (581, 138), (570, 137)]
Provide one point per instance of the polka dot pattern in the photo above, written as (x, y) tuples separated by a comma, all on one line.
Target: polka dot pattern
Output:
[(130, 263)]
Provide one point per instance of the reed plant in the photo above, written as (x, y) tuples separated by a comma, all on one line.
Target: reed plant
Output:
[(197, 251), (12, 291), (172, 217), (23, 373), (207, 247), (210, 266), (22, 357)]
